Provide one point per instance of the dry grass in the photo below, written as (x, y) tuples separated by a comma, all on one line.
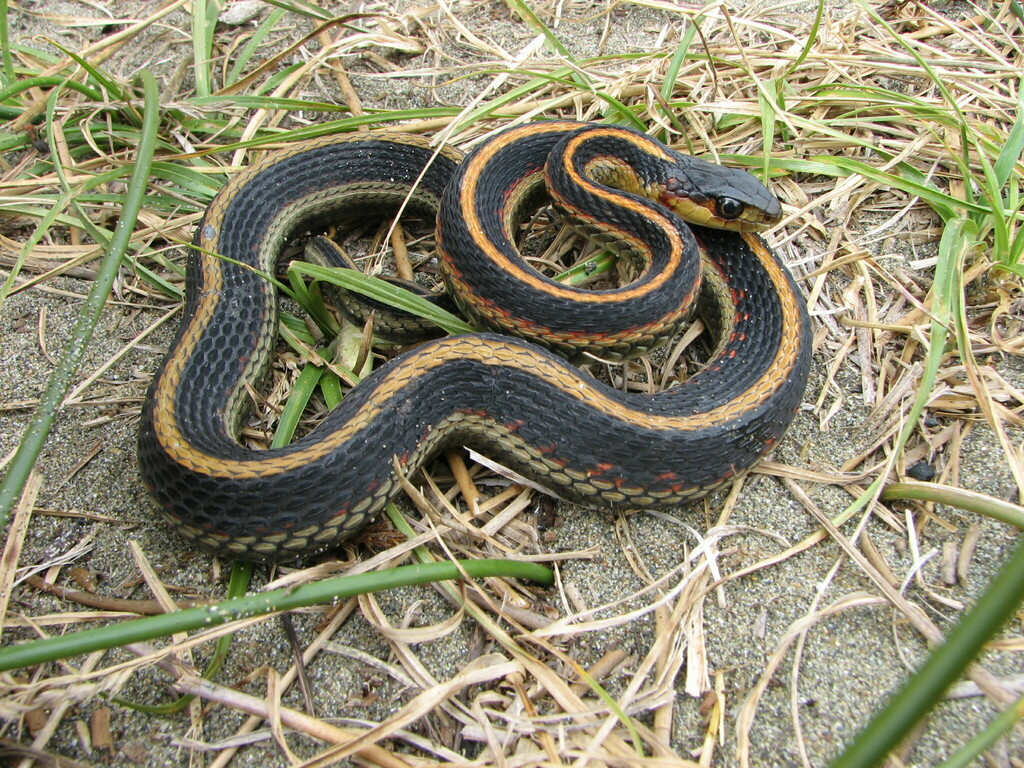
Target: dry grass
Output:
[(880, 133)]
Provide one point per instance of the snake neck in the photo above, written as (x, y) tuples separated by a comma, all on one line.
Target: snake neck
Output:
[(614, 158)]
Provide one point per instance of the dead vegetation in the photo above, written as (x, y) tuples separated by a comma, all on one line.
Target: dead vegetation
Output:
[(893, 138)]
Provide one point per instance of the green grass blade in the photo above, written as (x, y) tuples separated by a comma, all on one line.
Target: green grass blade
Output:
[(581, 274), (910, 182), (163, 285), (516, 94), (383, 291), (767, 95), (112, 86), (51, 81), (312, 302), (578, 73), (303, 389), (204, 19), (679, 55), (196, 189), (946, 663), (871, 746), (995, 730), (101, 236), (253, 45), (296, 326), (625, 115), (46, 57), (997, 509), (523, 10), (922, 62), (267, 102), (302, 8), (812, 38), (330, 385), (38, 429), (345, 125), (1016, 269), (317, 593), (1007, 187), (994, 218), (6, 61), (238, 583), (675, 63)]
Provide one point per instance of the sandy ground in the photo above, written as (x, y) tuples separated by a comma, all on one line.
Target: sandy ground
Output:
[(847, 662)]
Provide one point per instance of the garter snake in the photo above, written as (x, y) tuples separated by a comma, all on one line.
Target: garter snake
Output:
[(509, 398)]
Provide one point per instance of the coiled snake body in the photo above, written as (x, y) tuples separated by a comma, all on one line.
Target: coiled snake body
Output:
[(513, 399)]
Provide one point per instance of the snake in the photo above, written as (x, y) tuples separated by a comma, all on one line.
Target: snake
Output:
[(512, 391)]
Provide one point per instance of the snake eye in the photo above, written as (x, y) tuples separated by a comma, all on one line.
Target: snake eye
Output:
[(729, 208)]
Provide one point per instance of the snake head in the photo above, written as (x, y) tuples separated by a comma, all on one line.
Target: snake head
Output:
[(714, 196)]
